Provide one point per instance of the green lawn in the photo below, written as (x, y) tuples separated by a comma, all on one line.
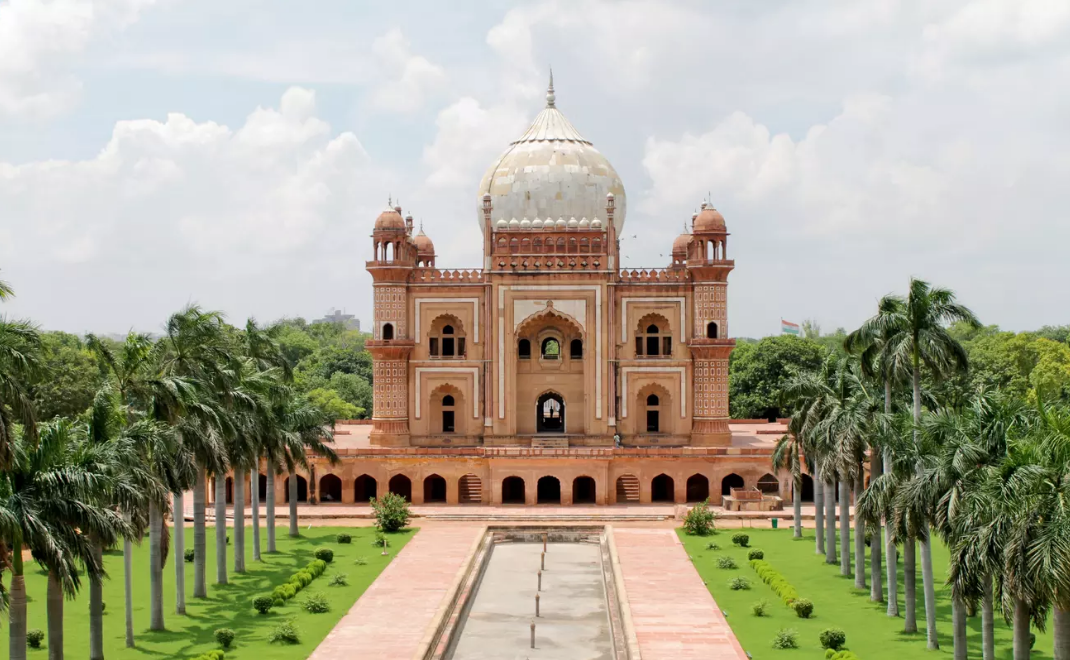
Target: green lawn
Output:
[(870, 632), (227, 606)]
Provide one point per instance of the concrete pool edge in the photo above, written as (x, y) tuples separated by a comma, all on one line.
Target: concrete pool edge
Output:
[(447, 610)]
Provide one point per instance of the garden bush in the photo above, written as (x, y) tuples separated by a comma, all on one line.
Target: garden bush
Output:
[(224, 637), (344, 538), (278, 601), (726, 562), (803, 607), (325, 555), (712, 546), (361, 561), (379, 540), (833, 638), (317, 604), (212, 655), (755, 554), (35, 637), (759, 608), (775, 580), (840, 655), (263, 604), (285, 633), (188, 555), (739, 584), (391, 512), (339, 580), (700, 520), (742, 540), (786, 638)]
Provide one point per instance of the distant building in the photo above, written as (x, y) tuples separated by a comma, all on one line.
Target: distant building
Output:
[(338, 316)]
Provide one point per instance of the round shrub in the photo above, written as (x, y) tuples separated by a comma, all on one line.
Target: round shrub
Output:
[(755, 554), (391, 512), (278, 601), (224, 637), (35, 637), (325, 555), (739, 584), (742, 540), (319, 565), (700, 520), (833, 638), (804, 607), (317, 604), (343, 538), (188, 555), (285, 633), (786, 638), (263, 604), (726, 562), (759, 608)]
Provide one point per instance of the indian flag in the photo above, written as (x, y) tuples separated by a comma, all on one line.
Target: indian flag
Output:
[(789, 328)]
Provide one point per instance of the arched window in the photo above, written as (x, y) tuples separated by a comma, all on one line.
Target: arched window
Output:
[(575, 349), (523, 349), (711, 330), (514, 245), (448, 414), (388, 331), (551, 349), (445, 339), (550, 414), (653, 417), (654, 340)]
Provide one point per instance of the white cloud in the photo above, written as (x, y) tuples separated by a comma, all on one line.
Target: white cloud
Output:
[(411, 78), (40, 43)]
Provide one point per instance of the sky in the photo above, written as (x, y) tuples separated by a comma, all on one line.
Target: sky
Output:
[(235, 154)]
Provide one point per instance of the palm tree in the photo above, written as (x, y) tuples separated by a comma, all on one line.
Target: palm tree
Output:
[(306, 428), (55, 499), (787, 455), (6, 291), (20, 365), (914, 333)]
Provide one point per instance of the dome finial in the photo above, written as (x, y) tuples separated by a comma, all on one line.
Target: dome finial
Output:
[(550, 98)]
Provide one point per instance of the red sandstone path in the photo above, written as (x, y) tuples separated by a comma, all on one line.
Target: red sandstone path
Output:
[(673, 613), (390, 620)]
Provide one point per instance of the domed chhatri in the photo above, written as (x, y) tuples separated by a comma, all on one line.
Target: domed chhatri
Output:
[(390, 219), (424, 246), (709, 219), (552, 171)]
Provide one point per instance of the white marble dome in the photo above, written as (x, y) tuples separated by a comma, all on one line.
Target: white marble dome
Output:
[(552, 171)]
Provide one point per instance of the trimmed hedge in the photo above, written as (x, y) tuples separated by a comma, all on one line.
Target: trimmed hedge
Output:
[(298, 581), (775, 580), (211, 655), (840, 655)]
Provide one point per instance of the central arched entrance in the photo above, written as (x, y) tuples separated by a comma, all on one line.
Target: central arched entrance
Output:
[(583, 490), (399, 484), (662, 489), (549, 491), (513, 490), (550, 413), (434, 489)]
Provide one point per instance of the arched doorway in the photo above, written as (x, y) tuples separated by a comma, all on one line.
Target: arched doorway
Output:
[(627, 489), (550, 414), (364, 488), (729, 482), (330, 488), (583, 490), (434, 489), (769, 484), (806, 493), (262, 487), (662, 489), (698, 488), (302, 489), (513, 490), (548, 491), (401, 485), (470, 490), (230, 490)]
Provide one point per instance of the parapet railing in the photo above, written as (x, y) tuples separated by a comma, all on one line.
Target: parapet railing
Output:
[(645, 275), (465, 275)]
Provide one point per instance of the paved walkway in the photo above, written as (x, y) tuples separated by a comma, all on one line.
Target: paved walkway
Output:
[(673, 613), (390, 619)]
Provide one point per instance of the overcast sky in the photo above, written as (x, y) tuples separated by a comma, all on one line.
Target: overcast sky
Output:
[(235, 154)]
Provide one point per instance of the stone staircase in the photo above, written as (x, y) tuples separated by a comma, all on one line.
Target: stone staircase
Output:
[(549, 443), (471, 490), (628, 489)]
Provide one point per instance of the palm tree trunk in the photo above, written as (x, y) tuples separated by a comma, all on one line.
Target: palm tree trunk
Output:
[(254, 507), (930, 591), (178, 515), (55, 617), (96, 609), (819, 513), (220, 529), (845, 528), (796, 504), (1021, 629), (958, 622), (890, 558), (910, 586), (16, 649), (128, 589), (155, 567), (239, 521), (860, 539), (876, 590), (294, 531), (830, 520), (200, 541), (988, 621), (1061, 631), (269, 495)]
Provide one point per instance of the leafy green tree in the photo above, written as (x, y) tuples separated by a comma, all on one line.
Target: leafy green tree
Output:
[(757, 373), (75, 376), (333, 405), (354, 389)]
